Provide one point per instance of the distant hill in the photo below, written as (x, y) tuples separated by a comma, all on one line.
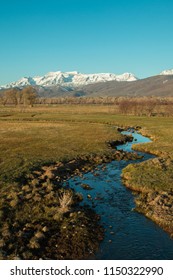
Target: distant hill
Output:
[(152, 86)]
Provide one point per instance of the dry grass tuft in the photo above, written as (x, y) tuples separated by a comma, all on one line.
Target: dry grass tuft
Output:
[(65, 200)]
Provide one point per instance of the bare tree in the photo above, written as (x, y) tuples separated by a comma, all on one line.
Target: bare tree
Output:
[(29, 96)]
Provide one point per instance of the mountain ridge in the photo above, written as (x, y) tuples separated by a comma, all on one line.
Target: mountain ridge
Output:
[(72, 79)]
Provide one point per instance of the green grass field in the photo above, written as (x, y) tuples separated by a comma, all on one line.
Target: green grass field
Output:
[(35, 136)]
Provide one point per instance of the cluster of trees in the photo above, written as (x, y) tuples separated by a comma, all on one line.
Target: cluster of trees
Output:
[(26, 96), (149, 106), (146, 106), (78, 100)]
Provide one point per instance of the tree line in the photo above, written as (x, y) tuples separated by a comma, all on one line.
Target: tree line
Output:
[(14, 96), (147, 105)]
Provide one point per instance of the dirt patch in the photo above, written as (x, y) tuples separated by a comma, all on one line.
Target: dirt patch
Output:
[(158, 206), (42, 220)]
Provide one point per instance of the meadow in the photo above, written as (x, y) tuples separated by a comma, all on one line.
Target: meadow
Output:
[(31, 137)]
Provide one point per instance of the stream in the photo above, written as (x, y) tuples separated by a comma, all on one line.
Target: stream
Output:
[(128, 234)]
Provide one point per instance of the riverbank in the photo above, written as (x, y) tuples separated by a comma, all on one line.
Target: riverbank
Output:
[(128, 234), (152, 181)]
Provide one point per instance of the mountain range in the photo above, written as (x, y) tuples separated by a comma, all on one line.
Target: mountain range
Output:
[(55, 84), (69, 79)]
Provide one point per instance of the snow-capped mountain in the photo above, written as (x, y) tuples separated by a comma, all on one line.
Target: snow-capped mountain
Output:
[(167, 72), (70, 79)]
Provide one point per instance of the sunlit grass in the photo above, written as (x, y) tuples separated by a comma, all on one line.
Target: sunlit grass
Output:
[(25, 145), (31, 137)]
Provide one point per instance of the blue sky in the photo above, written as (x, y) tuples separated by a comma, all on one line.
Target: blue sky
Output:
[(88, 36)]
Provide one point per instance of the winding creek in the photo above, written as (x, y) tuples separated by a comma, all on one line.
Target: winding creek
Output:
[(128, 234)]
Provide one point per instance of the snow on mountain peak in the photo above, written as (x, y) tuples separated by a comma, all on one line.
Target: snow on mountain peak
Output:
[(167, 72), (73, 72), (73, 79), (126, 77)]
